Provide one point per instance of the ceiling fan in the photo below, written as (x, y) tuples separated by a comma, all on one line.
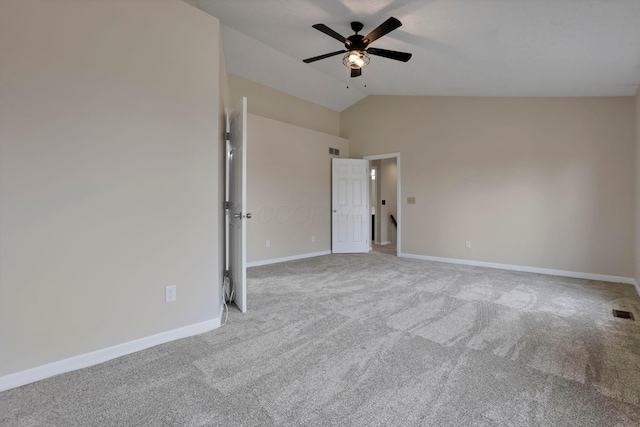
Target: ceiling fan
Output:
[(357, 46)]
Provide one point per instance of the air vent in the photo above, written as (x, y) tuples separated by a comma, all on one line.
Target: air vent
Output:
[(623, 314), (334, 151)]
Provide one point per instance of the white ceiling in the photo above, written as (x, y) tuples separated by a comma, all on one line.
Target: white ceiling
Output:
[(460, 47)]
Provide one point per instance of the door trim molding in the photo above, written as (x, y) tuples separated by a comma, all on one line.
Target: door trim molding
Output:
[(395, 155)]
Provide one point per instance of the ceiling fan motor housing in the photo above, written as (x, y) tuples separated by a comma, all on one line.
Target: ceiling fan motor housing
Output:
[(355, 42)]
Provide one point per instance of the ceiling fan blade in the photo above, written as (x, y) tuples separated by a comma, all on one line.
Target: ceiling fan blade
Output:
[(328, 31), (391, 54), (326, 55), (385, 28), (355, 72)]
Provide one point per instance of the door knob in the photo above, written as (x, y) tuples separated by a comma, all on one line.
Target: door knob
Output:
[(335, 210), (249, 216), (237, 215)]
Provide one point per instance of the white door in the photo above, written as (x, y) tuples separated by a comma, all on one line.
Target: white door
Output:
[(237, 198), (350, 205)]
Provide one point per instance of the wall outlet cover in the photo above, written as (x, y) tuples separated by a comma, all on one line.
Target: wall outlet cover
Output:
[(170, 293)]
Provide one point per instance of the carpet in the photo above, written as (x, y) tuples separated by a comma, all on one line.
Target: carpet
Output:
[(373, 340)]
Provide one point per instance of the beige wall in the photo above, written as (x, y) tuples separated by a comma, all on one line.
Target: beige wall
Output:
[(108, 174), (271, 103), (288, 189), (194, 3), (541, 182), (637, 190)]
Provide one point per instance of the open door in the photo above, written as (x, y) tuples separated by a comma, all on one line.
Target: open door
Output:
[(237, 202), (350, 205)]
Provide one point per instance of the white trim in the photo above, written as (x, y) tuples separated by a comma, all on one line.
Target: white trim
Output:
[(547, 271), (383, 243), (635, 285), (99, 356), (287, 258), (382, 156), (395, 155)]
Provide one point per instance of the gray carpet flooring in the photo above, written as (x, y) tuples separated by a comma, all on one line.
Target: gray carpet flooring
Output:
[(373, 340)]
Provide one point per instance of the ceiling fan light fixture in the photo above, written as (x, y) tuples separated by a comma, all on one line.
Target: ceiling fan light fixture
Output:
[(356, 59), (356, 47)]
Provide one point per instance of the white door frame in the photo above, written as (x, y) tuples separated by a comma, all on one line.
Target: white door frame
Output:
[(395, 155)]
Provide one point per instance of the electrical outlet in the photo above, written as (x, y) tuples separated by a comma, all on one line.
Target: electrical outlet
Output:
[(170, 293), (268, 243), (468, 244), (313, 239)]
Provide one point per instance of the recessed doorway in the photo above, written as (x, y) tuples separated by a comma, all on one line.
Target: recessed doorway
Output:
[(385, 197)]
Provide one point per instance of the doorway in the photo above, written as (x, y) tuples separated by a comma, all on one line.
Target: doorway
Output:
[(385, 202), (373, 198)]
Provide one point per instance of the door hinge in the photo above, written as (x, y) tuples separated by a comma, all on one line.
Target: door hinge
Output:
[(227, 205), (227, 136), (226, 273)]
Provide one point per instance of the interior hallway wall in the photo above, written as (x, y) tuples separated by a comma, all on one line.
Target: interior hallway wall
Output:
[(288, 189)]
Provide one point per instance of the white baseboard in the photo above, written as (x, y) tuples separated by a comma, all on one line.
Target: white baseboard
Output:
[(93, 358), (547, 271), (285, 259), (383, 243), (635, 285)]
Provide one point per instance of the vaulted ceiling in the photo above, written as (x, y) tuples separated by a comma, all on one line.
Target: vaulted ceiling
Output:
[(460, 47)]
